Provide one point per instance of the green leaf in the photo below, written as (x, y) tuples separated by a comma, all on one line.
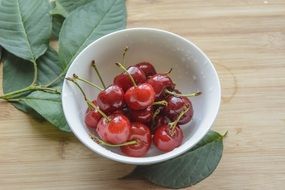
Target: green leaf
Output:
[(18, 74), (61, 9), (94, 20), (187, 169), (49, 67), (48, 106), (25, 27), (58, 9), (57, 22), (25, 108), (64, 7)]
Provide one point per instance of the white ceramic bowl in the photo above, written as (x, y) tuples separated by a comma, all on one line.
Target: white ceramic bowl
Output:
[(192, 70)]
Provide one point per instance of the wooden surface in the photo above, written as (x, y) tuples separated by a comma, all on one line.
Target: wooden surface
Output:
[(245, 39)]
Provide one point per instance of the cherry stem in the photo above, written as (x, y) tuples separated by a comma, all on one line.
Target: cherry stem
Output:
[(162, 102), (168, 72), (184, 95), (100, 141), (131, 77), (124, 55), (98, 74), (88, 82), (173, 124), (89, 102), (156, 113)]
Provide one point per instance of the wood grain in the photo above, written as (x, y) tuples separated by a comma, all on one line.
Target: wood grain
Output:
[(245, 39)]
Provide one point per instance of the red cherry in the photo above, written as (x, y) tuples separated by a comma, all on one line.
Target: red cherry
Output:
[(175, 106), (143, 116), (123, 80), (158, 121), (114, 129), (162, 120), (141, 134), (139, 97), (92, 117), (147, 68), (159, 83), (110, 99), (166, 140)]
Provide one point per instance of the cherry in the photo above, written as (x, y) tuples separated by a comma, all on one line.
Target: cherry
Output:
[(160, 82), (169, 136), (143, 116), (114, 129), (123, 80), (109, 99), (165, 140), (138, 97), (162, 120), (147, 68), (141, 134), (175, 106), (92, 117), (158, 121), (176, 103)]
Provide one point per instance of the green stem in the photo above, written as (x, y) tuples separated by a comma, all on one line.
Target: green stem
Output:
[(173, 124), (88, 82), (98, 74), (168, 72), (124, 55), (131, 77), (88, 102), (57, 78), (100, 141), (162, 102), (14, 93), (156, 113), (27, 89), (42, 88), (35, 73), (185, 95)]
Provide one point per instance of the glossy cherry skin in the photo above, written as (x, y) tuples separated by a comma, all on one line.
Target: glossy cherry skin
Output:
[(123, 80), (147, 68), (115, 131), (141, 134), (165, 140), (175, 106), (160, 83), (92, 118), (110, 99), (158, 121), (139, 97), (162, 120), (143, 116)]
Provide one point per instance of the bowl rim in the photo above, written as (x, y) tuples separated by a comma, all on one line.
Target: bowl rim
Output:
[(157, 158)]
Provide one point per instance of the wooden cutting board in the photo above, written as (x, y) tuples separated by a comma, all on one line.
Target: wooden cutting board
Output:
[(245, 39)]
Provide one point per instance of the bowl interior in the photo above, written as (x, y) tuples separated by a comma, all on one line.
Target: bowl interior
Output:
[(192, 71)]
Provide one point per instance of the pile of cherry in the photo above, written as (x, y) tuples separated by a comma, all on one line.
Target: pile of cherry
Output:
[(140, 107)]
